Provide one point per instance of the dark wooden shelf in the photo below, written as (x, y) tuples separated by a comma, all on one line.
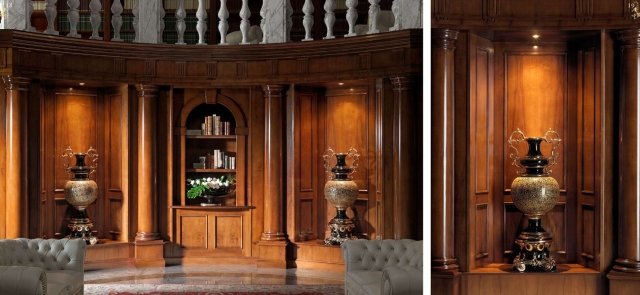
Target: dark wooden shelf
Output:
[(210, 170), (211, 136)]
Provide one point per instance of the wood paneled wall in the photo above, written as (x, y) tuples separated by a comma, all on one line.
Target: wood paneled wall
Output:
[(533, 88), (83, 118)]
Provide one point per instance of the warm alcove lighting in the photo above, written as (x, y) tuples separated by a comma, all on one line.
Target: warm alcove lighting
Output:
[(81, 83), (535, 36)]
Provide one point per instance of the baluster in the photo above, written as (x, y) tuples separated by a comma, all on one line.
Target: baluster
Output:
[(73, 17), (223, 14), (395, 8), (263, 21), (95, 18), (51, 11), (289, 24), (352, 16), (329, 17), (374, 8), (28, 26), (180, 25), (201, 14), (161, 14), (134, 11), (307, 21), (116, 19), (244, 23)]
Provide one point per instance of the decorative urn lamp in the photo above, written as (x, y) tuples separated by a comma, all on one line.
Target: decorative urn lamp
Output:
[(341, 191), (534, 192), (80, 191)]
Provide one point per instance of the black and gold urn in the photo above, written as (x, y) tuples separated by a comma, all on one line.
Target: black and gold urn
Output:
[(534, 193), (81, 191), (342, 192)]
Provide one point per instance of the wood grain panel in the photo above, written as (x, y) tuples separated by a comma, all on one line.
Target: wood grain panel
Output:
[(514, 222), (307, 143), (193, 231), (588, 232), (555, 222), (346, 127), (306, 212), (587, 127), (482, 231), (536, 100), (225, 235), (114, 146), (524, 8), (482, 130)]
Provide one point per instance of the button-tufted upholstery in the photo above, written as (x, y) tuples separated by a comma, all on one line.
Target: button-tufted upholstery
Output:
[(383, 267), (61, 265)]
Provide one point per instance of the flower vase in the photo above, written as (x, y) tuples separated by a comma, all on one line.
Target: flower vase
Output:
[(534, 193), (81, 191), (342, 192)]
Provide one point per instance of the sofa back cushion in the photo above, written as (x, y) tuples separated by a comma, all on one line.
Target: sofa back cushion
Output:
[(50, 254), (376, 255)]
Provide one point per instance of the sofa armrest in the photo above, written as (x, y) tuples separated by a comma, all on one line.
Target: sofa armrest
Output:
[(401, 280), (22, 280)]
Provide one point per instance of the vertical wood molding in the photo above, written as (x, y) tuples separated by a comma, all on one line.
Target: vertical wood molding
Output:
[(16, 92), (273, 157), (628, 157), (442, 150), (147, 227)]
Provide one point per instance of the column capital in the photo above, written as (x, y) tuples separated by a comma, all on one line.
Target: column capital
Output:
[(402, 82), (147, 90), (15, 83), (444, 38), (272, 90), (629, 38)]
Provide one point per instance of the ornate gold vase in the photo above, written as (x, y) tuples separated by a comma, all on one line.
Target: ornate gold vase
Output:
[(80, 191), (342, 192), (534, 192)]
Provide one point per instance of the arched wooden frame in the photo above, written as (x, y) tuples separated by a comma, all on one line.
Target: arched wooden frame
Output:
[(213, 96)]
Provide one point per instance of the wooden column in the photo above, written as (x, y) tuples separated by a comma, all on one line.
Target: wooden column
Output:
[(16, 92), (273, 159), (273, 242), (629, 157), (148, 246), (442, 147), (406, 193)]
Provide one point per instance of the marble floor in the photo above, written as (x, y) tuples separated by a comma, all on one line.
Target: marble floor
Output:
[(201, 279)]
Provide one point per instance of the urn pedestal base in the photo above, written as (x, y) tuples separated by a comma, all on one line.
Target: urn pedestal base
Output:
[(341, 227), (81, 226), (532, 249)]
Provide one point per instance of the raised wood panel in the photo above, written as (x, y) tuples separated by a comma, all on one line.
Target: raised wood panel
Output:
[(587, 127), (514, 222), (225, 235), (482, 232), (193, 231), (306, 212), (114, 146), (588, 233), (307, 142), (536, 100), (524, 8), (503, 283)]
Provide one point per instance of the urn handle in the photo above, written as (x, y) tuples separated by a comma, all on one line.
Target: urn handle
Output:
[(515, 139), (552, 137)]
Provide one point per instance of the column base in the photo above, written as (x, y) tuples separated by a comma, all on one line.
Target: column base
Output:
[(623, 283), (445, 283), (274, 254), (149, 253)]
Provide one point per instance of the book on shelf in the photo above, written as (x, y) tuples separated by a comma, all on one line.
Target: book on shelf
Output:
[(194, 132), (213, 125), (220, 160)]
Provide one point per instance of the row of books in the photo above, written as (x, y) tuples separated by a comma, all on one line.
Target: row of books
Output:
[(213, 125), (218, 160)]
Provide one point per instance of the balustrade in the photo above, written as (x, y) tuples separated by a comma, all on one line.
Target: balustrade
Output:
[(275, 19)]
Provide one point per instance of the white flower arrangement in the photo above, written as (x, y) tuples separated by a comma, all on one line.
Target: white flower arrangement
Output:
[(209, 186)]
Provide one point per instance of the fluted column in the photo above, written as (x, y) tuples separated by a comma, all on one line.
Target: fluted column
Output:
[(273, 157), (629, 166), (442, 173), (405, 154), (147, 228), (16, 92)]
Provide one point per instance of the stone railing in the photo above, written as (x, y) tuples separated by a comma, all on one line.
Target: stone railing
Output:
[(275, 25)]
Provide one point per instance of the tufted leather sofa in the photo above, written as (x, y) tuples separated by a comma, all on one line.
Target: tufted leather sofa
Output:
[(383, 267), (38, 266)]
